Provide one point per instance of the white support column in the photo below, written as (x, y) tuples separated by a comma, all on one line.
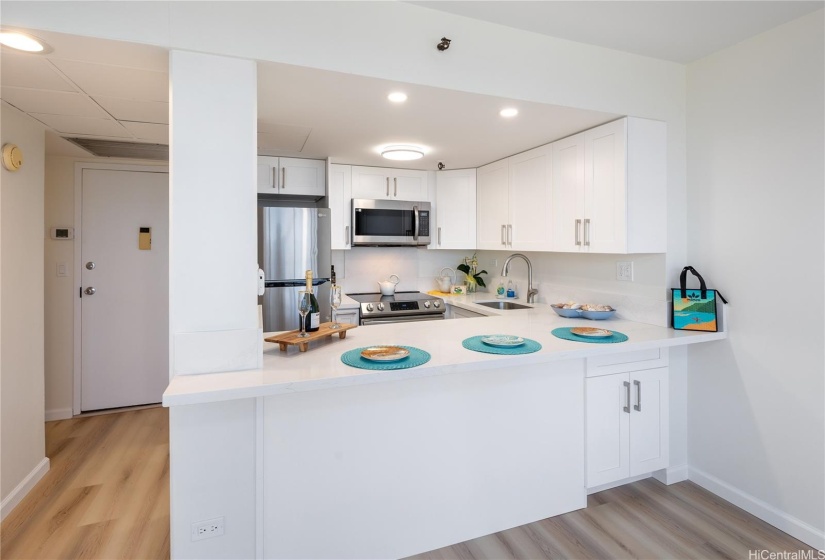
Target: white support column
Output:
[(212, 259)]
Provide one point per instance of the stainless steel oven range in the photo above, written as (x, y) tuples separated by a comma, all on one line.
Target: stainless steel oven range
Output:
[(399, 308)]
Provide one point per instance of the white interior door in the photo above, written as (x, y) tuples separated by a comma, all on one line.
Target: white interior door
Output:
[(125, 289)]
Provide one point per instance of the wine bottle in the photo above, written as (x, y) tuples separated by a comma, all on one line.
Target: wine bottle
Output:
[(313, 318)]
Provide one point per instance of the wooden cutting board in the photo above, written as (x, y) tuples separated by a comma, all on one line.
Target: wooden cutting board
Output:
[(293, 338)]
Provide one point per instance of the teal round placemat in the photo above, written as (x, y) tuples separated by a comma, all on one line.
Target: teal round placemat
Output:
[(474, 343), (416, 358), (564, 332)]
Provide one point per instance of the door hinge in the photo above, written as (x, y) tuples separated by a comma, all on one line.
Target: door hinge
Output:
[(81, 291)]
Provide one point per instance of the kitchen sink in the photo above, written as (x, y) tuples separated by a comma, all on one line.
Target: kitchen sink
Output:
[(503, 305)]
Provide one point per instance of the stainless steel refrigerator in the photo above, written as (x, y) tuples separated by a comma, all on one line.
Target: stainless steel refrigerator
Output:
[(290, 242)]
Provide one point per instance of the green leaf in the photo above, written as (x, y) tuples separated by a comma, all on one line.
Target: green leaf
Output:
[(482, 272), (480, 281), (464, 268)]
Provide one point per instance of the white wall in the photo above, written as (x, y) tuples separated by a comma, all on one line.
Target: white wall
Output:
[(22, 434), (59, 291), (755, 178)]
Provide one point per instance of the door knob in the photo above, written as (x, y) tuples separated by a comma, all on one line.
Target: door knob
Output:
[(90, 291), (90, 265)]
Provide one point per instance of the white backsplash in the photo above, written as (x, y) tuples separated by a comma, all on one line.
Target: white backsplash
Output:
[(558, 277)]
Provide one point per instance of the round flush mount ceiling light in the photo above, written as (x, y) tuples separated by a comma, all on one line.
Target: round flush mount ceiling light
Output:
[(397, 97), (508, 112), (23, 42), (400, 152)]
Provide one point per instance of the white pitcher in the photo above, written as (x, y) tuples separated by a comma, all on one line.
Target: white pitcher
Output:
[(388, 286)]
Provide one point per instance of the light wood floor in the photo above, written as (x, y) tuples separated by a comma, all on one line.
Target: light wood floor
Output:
[(107, 496)]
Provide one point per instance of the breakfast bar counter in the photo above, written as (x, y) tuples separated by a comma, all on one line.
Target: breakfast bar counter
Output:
[(308, 457)]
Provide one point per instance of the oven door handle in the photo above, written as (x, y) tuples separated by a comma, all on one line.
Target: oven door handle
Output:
[(406, 319), (415, 224)]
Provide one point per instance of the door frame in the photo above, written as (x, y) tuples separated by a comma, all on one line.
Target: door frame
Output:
[(79, 167)]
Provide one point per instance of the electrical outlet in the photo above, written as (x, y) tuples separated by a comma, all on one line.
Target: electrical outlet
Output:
[(207, 529), (494, 262), (624, 271)]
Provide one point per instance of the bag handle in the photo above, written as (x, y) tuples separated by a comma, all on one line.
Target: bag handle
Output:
[(702, 286)]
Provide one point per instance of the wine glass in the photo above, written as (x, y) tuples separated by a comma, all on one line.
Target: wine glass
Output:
[(304, 303), (335, 301)]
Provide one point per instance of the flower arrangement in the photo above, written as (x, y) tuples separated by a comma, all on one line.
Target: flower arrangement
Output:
[(470, 268)]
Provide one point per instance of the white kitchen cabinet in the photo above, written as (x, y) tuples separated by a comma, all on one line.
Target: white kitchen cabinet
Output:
[(291, 176), (454, 312), (609, 189), (347, 316), (387, 183), (339, 198), (627, 424), (492, 205), (513, 202), (455, 209)]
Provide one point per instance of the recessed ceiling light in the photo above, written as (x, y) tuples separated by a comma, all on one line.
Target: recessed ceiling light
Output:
[(508, 112), (23, 42), (402, 152), (397, 97)]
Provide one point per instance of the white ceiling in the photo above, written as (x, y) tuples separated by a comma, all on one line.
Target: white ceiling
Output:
[(677, 30), (118, 91)]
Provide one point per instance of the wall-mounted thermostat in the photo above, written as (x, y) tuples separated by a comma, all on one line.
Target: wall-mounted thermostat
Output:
[(62, 233)]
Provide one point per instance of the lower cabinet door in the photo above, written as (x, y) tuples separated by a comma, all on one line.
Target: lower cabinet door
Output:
[(606, 428), (649, 421), (347, 316)]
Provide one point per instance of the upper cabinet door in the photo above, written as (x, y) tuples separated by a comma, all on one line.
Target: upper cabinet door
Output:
[(340, 205), (492, 205), (455, 209), (408, 184), (386, 183), (302, 177), (370, 182), (605, 188), (267, 175), (568, 193), (530, 227)]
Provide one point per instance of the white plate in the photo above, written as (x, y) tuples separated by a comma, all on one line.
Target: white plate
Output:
[(502, 340), (384, 353), (591, 332)]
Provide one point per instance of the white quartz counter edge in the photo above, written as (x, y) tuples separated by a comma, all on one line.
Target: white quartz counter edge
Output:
[(321, 367)]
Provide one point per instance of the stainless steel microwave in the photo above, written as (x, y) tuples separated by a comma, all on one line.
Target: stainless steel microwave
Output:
[(390, 223)]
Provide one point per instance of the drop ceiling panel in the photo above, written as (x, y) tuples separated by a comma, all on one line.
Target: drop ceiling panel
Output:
[(52, 102), (282, 137), (83, 125), (150, 132), (135, 110), (31, 71), (117, 81)]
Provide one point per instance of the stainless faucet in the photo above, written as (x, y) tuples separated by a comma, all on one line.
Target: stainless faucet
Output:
[(531, 293)]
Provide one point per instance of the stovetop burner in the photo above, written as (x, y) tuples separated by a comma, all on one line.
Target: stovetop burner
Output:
[(365, 297)]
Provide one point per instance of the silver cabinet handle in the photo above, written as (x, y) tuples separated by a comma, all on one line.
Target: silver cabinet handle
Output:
[(388, 186), (90, 265), (587, 232), (90, 291), (626, 407), (503, 234), (439, 236), (578, 229), (346, 235), (274, 181), (283, 177), (395, 188), (638, 405), (510, 235)]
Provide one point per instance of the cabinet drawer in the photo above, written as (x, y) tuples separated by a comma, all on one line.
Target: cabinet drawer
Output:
[(626, 361)]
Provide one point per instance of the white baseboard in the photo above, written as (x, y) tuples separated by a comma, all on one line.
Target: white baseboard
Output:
[(622, 482), (795, 527), (25, 486), (58, 414), (672, 475)]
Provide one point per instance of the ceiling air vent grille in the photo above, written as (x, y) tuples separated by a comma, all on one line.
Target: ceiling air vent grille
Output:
[(130, 150)]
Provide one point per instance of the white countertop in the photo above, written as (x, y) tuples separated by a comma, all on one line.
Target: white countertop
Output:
[(321, 367)]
